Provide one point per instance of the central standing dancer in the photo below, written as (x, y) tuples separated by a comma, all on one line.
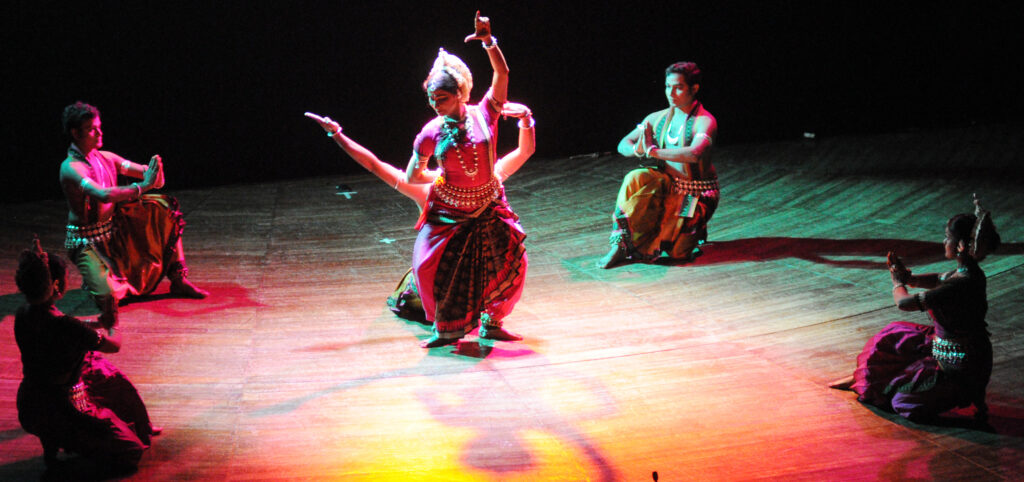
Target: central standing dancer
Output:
[(469, 259)]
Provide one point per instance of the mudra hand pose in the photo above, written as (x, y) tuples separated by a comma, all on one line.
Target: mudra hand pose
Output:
[(469, 260), (405, 301), (922, 371), (70, 396), (666, 208)]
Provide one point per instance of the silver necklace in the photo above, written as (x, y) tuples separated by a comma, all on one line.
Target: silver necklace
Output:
[(686, 124), (674, 140)]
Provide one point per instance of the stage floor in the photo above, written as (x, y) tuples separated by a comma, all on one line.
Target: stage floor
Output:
[(715, 370)]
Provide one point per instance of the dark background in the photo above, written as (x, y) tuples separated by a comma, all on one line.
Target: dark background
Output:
[(219, 88)]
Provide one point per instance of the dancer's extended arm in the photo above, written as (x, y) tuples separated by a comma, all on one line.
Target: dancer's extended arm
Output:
[(391, 175)]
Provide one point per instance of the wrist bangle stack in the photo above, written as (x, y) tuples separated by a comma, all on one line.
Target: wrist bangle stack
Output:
[(532, 123), (494, 43)]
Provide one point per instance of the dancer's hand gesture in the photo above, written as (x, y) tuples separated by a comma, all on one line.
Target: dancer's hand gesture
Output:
[(897, 271), (645, 140), (482, 26), (328, 124), (154, 176)]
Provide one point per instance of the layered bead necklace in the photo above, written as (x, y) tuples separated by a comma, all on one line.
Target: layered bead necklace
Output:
[(455, 134), (471, 173)]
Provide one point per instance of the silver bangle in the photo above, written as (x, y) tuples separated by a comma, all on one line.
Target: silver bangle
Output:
[(494, 43), (332, 133), (137, 186), (900, 285), (532, 123)]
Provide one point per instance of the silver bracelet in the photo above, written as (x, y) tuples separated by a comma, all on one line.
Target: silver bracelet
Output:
[(137, 186), (532, 123), (900, 285), (494, 43)]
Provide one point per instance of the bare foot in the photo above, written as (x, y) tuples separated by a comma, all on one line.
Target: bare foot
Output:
[(434, 342), (499, 334), (184, 288), (981, 415), (842, 383), (614, 257), (107, 319)]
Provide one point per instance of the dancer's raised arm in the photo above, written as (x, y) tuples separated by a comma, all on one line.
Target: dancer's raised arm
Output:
[(499, 81)]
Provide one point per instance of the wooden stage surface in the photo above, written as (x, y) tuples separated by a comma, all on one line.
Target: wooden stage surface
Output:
[(715, 370)]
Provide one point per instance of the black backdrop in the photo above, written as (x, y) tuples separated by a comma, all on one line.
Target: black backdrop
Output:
[(219, 88)]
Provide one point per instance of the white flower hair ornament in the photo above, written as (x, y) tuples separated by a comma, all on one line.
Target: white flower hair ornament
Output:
[(455, 67)]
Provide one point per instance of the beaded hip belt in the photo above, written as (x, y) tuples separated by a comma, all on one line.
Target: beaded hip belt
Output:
[(78, 398), (467, 197), (696, 187), (78, 236), (948, 352)]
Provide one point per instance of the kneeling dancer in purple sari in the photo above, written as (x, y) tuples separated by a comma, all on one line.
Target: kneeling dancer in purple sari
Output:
[(921, 371)]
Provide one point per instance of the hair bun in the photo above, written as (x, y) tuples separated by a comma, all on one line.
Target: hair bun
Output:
[(984, 236), (33, 275)]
